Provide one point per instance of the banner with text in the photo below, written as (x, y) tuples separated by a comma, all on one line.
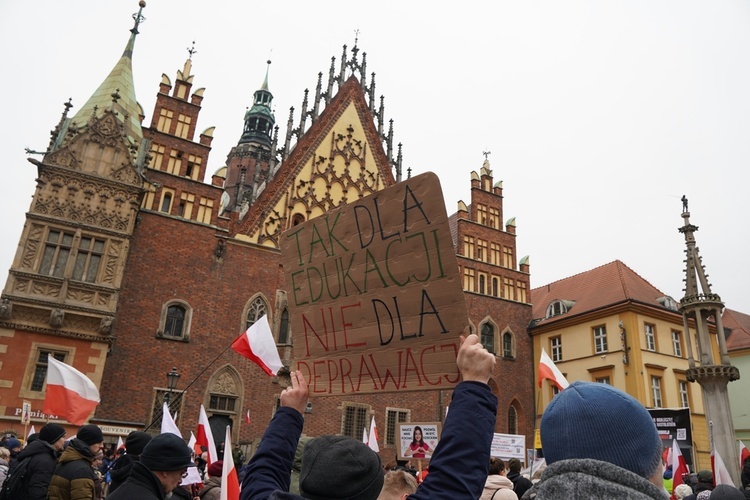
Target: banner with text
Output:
[(507, 446), (675, 424), (375, 298)]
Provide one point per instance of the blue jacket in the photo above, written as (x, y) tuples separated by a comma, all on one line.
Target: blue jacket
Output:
[(458, 468)]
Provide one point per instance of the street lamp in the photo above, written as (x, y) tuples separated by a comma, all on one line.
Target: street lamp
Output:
[(172, 378)]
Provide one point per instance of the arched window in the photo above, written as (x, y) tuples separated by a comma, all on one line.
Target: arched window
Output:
[(488, 337), (508, 351), (481, 283), (174, 322), (298, 219), (512, 420), (284, 328), (494, 287), (256, 311), (166, 203)]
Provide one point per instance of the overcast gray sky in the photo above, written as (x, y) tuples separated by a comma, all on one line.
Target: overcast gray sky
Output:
[(599, 115)]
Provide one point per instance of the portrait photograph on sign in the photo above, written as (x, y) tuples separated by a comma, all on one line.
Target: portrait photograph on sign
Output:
[(375, 299), (417, 439)]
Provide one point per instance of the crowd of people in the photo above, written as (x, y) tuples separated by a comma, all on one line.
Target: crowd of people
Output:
[(598, 443)]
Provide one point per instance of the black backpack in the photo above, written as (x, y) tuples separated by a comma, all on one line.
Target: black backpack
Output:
[(14, 484)]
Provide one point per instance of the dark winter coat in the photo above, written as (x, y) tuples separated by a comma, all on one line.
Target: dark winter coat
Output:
[(42, 460), (120, 470), (520, 484), (458, 468), (74, 477), (141, 484)]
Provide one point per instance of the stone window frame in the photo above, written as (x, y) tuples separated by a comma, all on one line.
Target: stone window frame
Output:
[(185, 337), (360, 410), (248, 305), (31, 363), (392, 416)]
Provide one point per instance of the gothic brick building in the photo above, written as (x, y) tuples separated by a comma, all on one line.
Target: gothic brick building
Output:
[(130, 263)]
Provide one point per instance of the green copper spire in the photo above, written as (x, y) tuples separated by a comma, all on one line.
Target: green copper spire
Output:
[(117, 91), (259, 119)]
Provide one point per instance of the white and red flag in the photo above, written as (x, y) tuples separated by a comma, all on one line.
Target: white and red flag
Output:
[(365, 438), (70, 393), (31, 431), (120, 445), (744, 453), (721, 474), (257, 345), (247, 417), (206, 438), (548, 370), (679, 466), (372, 440), (168, 425), (230, 483)]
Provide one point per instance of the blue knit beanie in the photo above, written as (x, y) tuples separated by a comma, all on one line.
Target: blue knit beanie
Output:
[(593, 420)]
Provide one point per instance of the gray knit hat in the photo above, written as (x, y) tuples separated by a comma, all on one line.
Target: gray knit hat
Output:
[(726, 492), (339, 467), (593, 420)]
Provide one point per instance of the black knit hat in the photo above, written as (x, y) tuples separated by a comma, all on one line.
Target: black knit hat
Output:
[(51, 433), (136, 441), (166, 452), (339, 467), (90, 434)]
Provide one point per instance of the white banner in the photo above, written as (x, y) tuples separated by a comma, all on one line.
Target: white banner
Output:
[(507, 446)]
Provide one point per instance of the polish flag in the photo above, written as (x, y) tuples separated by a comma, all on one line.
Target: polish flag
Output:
[(247, 417), (70, 393), (679, 467), (744, 453), (120, 445), (31, 431), (257, 345), (372, 440), (192, 441), (365, 438), (548, 370), (168, 424), (206, 438), (721, 474), (230, 483)]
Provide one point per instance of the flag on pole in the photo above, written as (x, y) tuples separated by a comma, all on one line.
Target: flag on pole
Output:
[(192, 441), (744, 454), (548, 370), (206, 438), (247, 417), (120, 445), (230, 483), (721, 474), (31, 431), (372, 440), (167, 422), (679, 466), (365, 437), (70, 393), (257, 345)]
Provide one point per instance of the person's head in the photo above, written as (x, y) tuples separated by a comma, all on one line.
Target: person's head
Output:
[(214, 470), (14, 445), (168, 457), (397, 485), (31, 438), (596, 421), (514, 465), (340, 467), (726, 492), (417, 436), (497, 466), (98, 459), (4, 453), (54, 435), (91, 435), (136, 441), (706, 477), (683, 490)]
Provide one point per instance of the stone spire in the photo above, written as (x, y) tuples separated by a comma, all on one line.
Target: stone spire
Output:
[(700, 306), (117, 91)]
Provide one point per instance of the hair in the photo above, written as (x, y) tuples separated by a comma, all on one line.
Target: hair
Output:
[(390, 464), (4, 452), (414, 435), (496, 466), (397, 483)]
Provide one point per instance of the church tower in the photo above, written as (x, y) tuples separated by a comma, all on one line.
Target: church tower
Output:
[(700, 306), (62, 291)]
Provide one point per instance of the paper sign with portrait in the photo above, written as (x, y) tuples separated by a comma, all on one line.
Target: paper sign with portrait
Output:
[(417, 440), (375, 299)]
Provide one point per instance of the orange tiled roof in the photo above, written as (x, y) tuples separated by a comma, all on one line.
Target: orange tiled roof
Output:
[(609, 284), (739, 323)]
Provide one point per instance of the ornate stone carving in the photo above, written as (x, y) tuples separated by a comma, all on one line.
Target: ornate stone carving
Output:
[(6, 309), (105, 325), (225, 384), (56, 318)]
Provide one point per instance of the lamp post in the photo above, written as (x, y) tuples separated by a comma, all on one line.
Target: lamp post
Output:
[(172, 378)]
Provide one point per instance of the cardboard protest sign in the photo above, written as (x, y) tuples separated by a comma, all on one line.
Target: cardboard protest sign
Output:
[(375, 298), (417, 440)]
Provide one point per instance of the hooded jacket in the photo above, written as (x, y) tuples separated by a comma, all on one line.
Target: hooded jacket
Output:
[(587, 479), (140, 484), (74, 477), (42, 459), (495, 488), (211, 489)]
